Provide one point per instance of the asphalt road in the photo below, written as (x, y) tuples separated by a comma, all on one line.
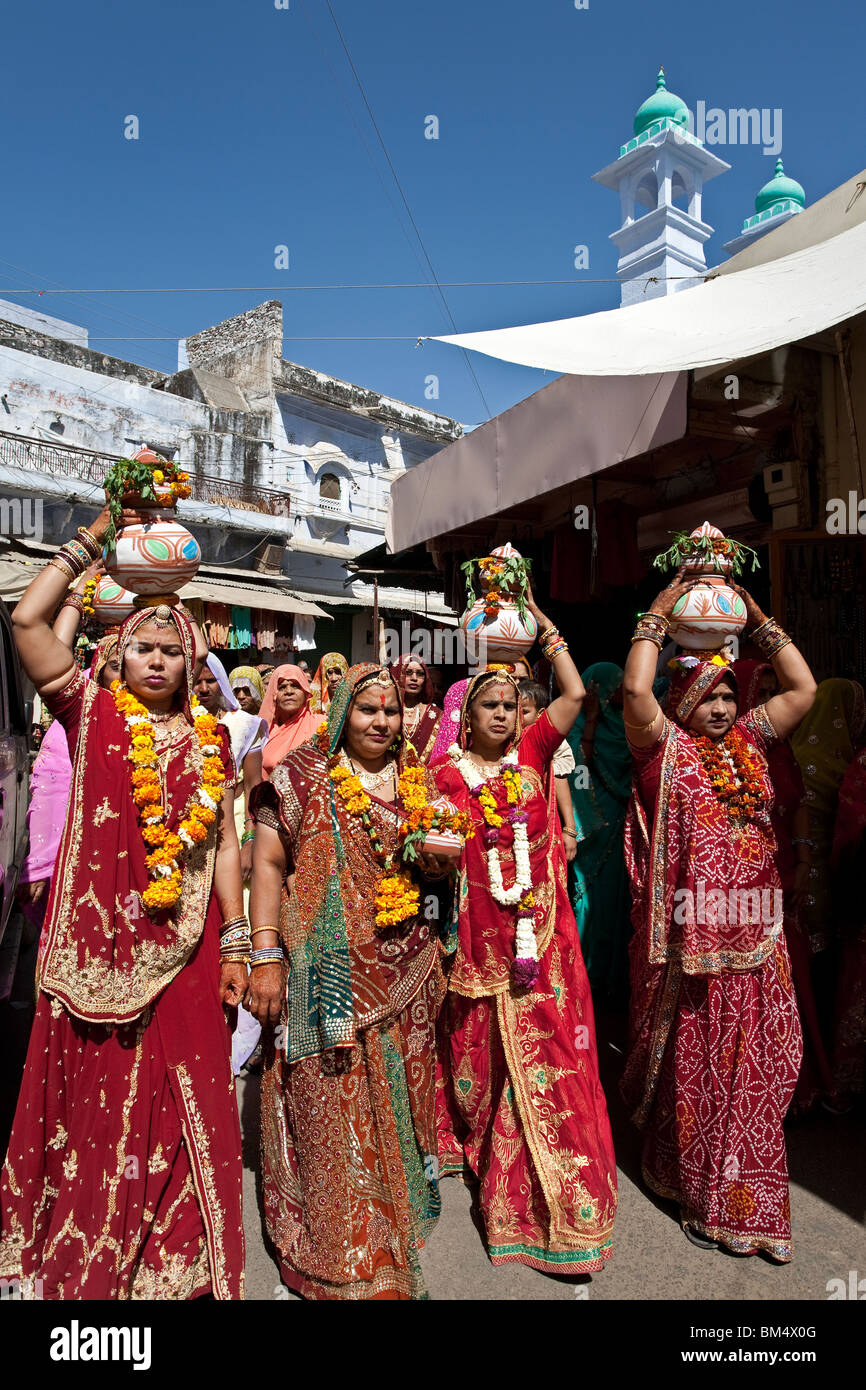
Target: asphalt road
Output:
[(652, 1258)]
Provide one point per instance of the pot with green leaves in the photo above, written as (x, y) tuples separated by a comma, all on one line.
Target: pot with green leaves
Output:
[(712, 611), (157, 557), (497, 624)]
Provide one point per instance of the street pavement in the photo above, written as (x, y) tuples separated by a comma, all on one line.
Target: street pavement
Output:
[(652, 1258)]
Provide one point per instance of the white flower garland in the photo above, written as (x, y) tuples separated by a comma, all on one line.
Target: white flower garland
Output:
[(525, 939)]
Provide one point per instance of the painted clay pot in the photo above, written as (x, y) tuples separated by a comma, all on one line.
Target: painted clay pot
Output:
[(156, 558), (507, 636), (711, 612), (446, 843), (111, 602)]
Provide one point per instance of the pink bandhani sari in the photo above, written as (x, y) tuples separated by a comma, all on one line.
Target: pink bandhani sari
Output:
[(715, 1041), (815, 1077)]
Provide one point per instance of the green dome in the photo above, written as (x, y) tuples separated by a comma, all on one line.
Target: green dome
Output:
[(661, 104), (779, 187)]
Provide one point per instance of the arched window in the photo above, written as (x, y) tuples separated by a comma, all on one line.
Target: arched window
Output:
[(647, 193), (329, 487), (679, 190)]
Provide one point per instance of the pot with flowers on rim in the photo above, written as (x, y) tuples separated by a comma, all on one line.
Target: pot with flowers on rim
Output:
[(498, 621), (151, 558), (712, 612)]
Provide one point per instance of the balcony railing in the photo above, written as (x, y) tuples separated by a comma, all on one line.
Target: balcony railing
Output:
[(91, 466)]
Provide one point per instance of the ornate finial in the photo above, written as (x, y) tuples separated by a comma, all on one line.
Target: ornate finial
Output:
[(660, 81), (780, 168)]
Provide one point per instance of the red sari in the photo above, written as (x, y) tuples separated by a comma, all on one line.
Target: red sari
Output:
[(518, 1093), (348, 1118), (123, 1174), (715, 1036)]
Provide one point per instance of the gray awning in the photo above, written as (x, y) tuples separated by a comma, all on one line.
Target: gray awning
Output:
[(213, 590), (567, 431)]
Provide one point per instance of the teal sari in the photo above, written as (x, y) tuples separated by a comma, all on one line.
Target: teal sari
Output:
[(598, 881)]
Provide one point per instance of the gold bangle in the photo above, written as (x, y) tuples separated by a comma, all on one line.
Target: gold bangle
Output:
[(63, 565), (643, 728), (89, 541)]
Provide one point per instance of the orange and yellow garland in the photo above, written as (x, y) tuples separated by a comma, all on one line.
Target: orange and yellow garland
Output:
[(397, 896), (735, 773), (164, 861)]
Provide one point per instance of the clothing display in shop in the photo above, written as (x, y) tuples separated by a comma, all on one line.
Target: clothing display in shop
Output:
[(264, 629), (303, 633), (240, 637), (218, 624)]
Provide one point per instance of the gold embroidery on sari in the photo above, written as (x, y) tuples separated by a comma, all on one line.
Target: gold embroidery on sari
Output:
[(212, 1215), (92, 988)]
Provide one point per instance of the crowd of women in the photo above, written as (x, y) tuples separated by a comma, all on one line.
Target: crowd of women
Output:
[(224, 864)]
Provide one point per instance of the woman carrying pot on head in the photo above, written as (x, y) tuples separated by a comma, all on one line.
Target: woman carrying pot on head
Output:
[(714, 1033), (123, 1174), (348, 1124), (520, 1102)]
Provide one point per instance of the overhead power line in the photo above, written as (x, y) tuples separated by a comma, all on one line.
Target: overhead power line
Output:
[(288, 288), (404, 199)]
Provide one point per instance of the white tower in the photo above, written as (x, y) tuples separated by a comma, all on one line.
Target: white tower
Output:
[(660, 176), (777, 202)]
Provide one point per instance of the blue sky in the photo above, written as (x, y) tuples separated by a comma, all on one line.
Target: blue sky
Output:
[(253, 134)]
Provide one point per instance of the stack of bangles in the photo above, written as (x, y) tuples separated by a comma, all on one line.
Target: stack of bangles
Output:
[(75, 601), (249, 831), (769, 638), (266, 955), (73, 558), (652, 627), (552, 644), (235, 943)]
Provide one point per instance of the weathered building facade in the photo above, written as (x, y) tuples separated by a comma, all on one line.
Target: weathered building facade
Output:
[(290, 468)]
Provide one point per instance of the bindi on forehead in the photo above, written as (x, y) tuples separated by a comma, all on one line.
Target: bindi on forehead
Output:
[(501, 693)]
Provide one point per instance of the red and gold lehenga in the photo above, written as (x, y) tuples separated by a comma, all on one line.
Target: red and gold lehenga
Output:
[(123, 1174), (348, 1117), (518, 1096), (715, 1036)]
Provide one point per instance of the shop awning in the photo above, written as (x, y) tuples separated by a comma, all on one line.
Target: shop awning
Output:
[(17, 569), (727, 318), (567, 431), (213, 590)]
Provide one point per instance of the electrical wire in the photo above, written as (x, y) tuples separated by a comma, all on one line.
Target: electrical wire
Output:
[(383, 285)]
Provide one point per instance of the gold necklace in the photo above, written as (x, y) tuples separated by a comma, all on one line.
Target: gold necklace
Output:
[(371, 780)]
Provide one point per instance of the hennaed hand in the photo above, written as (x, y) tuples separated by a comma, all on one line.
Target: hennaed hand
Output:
[(265, 993)]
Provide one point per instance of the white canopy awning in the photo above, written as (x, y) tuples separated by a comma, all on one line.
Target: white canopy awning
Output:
[(733, 316)]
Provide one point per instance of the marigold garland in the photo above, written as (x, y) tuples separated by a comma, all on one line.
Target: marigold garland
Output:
[(165, 860), (734, 772), (87, 597), (397, 896)]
